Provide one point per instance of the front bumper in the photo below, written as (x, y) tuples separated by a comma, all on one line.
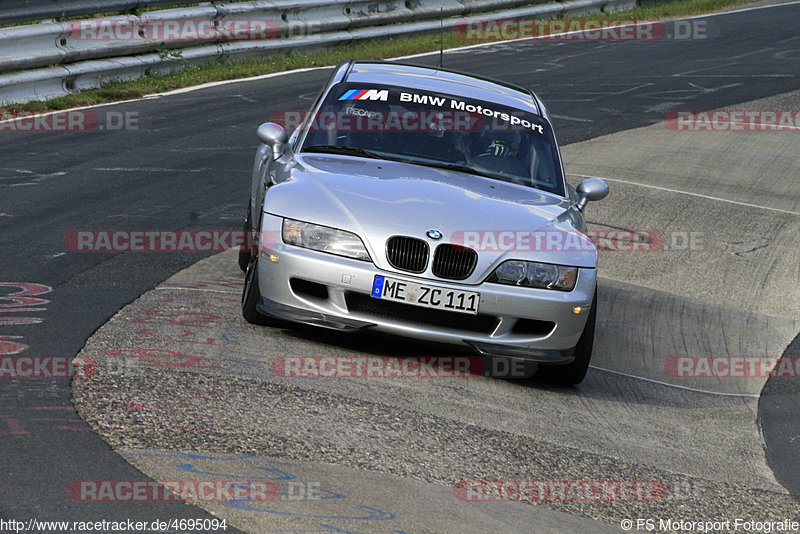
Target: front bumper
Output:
[(320, 289)]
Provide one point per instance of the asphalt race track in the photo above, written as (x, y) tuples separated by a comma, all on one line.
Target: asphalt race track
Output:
[(383, 455)]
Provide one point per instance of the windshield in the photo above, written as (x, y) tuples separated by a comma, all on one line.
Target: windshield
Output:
[(437, 130)]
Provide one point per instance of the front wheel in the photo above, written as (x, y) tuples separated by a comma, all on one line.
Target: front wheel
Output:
[(575, 371), (246, 250), (251, 296)]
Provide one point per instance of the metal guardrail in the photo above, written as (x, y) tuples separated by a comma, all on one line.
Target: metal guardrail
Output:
[(53, 59), (14, 11)]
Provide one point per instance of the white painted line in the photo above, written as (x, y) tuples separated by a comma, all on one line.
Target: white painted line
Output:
[(696, 390), (180, 91), (772, 128), (688, 193), (744, 126), (202, 289), (144, 169), (226, 82), (743, 10), (568, 118)]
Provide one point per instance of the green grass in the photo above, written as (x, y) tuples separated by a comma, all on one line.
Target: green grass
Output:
[(375, 49)]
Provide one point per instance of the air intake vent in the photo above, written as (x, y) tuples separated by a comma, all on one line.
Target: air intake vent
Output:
[(407, 253), (454, 262), (483, 324)]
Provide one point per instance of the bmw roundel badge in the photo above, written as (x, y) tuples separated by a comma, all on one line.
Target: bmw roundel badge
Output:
[(434, 234)]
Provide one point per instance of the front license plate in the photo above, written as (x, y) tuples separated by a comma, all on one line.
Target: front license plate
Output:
[(425, 295)]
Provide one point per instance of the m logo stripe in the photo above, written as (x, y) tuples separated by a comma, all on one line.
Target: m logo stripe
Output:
[(366, 94)]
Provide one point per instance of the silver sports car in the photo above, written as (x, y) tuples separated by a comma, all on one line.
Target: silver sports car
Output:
[(425, 203)]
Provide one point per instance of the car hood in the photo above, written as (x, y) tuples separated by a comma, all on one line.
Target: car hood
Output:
[(377, 199)]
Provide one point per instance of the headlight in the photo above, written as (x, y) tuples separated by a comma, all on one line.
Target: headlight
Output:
[(323, 239), (533, 274)]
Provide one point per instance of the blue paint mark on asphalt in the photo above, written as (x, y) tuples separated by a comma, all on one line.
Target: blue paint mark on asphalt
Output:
[(327, 528), (279, 475), (373, 514)]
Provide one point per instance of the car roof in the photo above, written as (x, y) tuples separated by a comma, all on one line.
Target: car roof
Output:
[(444, 81)]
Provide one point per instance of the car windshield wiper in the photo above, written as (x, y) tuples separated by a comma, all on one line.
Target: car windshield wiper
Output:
[(458, 167), (346, 150)]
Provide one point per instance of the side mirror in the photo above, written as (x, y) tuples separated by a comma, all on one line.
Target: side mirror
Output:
[(590, 189), (273, 135)]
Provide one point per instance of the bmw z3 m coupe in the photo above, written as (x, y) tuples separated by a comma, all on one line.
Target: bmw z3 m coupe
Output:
[(429, 204)]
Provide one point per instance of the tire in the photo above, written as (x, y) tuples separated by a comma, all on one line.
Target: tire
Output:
[(245, 251), (575, 371), (251, 295)]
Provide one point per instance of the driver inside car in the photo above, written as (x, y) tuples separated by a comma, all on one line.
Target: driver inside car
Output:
[(500, 148), (503, 152)]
